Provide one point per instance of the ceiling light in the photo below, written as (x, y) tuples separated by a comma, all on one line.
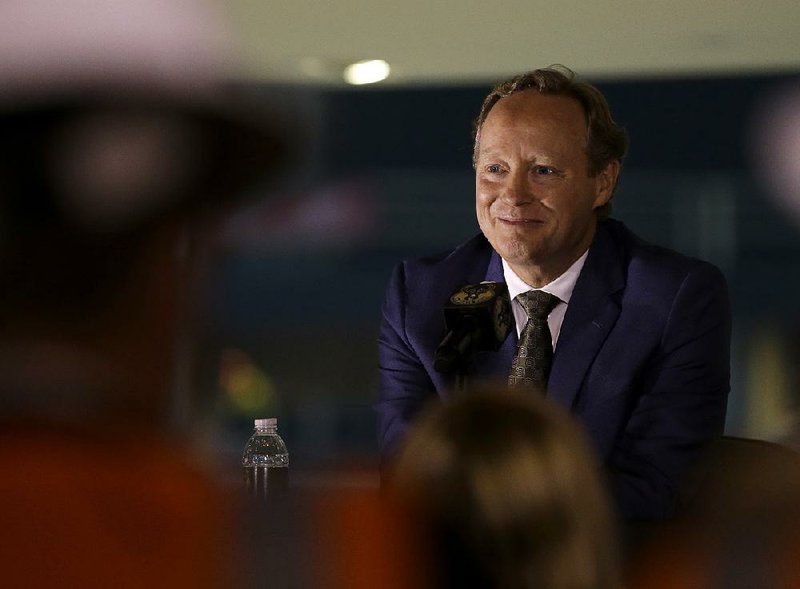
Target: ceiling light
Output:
[(366, 72)]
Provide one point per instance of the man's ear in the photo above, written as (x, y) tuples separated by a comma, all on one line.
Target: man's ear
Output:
[(605, 181)]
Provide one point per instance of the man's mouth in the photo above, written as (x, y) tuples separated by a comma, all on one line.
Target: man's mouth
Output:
[(518, 221)]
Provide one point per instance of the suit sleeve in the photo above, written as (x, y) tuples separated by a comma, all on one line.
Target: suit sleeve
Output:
[(405, 385), (683, 401)]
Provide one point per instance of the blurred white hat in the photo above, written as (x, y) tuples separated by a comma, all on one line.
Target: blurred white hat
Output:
[(118, 109), (50, 45)]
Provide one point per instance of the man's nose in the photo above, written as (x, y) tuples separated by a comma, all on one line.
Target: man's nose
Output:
[(517, 189)]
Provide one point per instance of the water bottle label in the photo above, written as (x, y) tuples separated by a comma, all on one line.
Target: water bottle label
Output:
[(266, 482)]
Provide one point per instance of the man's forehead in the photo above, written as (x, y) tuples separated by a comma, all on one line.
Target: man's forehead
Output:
[(535, 115), (533, 104)]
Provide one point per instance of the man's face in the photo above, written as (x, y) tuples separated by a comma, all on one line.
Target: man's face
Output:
[(535, 200)]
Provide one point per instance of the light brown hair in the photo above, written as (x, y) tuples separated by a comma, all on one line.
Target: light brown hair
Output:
[(509, 495)]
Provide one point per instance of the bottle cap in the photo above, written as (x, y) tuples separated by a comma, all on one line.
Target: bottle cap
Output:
[(266, 422)]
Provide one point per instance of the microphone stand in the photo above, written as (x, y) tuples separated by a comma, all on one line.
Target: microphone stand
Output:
[(461, 380), (456, 350)]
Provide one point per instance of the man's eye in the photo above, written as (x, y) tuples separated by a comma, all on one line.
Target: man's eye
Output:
[(544, 170), (494, 168)]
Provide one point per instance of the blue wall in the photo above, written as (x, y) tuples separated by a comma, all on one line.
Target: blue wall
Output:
[(389, 176)]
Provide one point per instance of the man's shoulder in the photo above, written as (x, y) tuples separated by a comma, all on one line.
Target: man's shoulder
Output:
[(470, 257), (437, 276), (645, 260)]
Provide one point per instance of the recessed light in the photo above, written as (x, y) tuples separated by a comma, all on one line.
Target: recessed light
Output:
[(366, 72)]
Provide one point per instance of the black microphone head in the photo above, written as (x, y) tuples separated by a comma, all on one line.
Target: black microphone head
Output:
[(487, 303), (477, 317)]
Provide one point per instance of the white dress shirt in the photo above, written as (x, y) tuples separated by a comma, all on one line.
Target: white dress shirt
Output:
[(561, 287)]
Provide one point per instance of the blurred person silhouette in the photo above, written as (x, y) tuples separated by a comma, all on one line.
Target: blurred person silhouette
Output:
[(740, 528), (120, 136), (773, 150), (507, 494)]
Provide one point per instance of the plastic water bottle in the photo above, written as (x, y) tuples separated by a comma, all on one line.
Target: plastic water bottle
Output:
[(266, 461)]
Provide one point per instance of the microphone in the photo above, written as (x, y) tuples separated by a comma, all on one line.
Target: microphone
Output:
[(477, 317)]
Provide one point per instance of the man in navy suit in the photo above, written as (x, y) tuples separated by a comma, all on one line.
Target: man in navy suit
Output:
[(641, 334)]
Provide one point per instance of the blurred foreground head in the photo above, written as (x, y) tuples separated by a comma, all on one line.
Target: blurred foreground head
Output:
[(119, 127), (119, 137), (508, 495)]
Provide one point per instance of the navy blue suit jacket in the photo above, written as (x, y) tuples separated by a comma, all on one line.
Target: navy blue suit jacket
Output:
[(642, 358)]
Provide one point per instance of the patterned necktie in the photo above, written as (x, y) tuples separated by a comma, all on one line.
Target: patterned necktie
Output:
[(531, 366)]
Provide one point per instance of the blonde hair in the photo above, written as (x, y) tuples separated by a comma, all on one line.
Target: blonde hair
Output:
[(509, 495)]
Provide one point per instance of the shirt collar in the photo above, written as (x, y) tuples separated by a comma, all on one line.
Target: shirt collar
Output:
[(561, 287)]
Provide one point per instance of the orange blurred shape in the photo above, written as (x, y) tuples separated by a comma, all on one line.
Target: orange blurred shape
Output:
[(369, 542), (105, 509)]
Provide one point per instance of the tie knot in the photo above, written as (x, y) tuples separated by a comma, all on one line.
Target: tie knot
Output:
[(537, 303)]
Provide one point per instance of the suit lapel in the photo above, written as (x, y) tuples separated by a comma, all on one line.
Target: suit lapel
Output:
[(592, 312)]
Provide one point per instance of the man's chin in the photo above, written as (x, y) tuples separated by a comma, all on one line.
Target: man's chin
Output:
[(514, 252)]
